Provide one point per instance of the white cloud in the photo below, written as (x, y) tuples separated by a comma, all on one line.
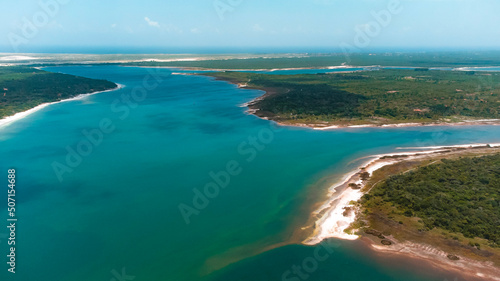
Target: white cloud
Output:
[(113, 25), (151, 22)]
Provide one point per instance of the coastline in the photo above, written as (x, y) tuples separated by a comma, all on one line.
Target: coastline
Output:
[(339, 212), (401, 125), (6, 121), (470, 122)]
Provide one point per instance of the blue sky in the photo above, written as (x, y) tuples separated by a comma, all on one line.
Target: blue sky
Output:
[(247, 24)]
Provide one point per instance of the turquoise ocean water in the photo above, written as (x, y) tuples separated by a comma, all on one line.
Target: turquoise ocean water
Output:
[(116, 209)]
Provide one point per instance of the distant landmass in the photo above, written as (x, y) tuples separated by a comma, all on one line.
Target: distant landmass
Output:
[(268, 61)]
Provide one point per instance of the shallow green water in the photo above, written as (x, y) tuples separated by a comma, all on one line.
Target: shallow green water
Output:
[(119, 208)]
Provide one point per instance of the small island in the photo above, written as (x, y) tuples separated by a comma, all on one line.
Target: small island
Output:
[(23, 88), (380, 97)]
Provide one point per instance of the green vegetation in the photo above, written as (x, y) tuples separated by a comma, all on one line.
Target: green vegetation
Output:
[(431, 59), (461, 196), (374, 97), (22, 88)]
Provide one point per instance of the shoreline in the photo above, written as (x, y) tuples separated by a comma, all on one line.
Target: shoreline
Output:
[(6, 121), (338, 212), (401, 125)]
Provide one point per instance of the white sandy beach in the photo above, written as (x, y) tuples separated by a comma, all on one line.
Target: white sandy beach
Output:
[(401, 125), (333, 222), (20, 115)]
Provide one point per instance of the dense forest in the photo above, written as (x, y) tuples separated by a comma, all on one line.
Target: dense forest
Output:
[(378, 97), (22, 88), (461, 196)]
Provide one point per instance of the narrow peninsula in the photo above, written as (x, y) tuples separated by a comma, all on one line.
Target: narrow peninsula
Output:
[(23, 88)]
